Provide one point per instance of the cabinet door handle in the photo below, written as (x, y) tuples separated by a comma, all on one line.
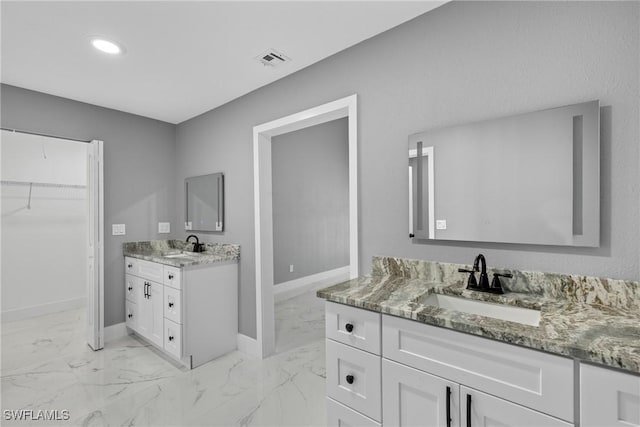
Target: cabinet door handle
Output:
[(129, 265), (350, 379), (170, 276), (130, 288), (170, 338), (170, 304), (448, 406), (468, 410), (349, 327), (130, 315)]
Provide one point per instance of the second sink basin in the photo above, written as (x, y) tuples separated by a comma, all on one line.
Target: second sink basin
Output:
[(183, 255), (525, 316)]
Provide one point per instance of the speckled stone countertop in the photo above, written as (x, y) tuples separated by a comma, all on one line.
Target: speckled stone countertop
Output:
[(592, 319), (178, 253)]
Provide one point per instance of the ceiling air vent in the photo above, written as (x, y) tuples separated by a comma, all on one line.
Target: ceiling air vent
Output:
[(272, 58)]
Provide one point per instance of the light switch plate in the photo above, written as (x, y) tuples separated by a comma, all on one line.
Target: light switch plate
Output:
[(164, 227), (441, 224), (118, 229)]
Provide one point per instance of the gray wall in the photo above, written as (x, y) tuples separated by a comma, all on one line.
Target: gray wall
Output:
[(310, 172), (462, 62), (139, 170)]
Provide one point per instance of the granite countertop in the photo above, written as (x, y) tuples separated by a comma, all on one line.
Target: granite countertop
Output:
[(592, 319), (178, 253)]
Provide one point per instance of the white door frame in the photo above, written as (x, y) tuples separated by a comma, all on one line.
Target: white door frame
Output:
[(262, 134), (95, 245)]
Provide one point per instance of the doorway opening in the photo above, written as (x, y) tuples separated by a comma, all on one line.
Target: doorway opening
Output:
[(263, 202), (51, 243)]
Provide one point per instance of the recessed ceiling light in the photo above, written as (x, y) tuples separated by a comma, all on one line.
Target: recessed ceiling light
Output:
[(107, 46)]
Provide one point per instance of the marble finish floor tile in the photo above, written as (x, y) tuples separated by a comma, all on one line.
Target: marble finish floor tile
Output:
[(46, 365), (299, 321)]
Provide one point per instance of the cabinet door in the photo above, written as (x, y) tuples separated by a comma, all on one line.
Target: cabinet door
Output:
[(156, 302), (144, 308), (483, 410), (608, 398), (150, 308), (415, 398)]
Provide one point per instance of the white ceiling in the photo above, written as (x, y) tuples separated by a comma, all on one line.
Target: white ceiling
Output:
[(182, 57)]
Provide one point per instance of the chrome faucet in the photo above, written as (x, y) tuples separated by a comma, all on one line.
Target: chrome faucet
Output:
[(197, 246), (480, 264)]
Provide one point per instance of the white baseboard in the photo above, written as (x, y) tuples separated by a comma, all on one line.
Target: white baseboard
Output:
[(113, 332), (293, 288), (42, 309), (248, 345)]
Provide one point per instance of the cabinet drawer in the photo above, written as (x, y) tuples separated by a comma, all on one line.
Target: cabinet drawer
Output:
[(150, 270), (608, 398), (353, 378), (131, 265), (173, 304), (131, 288), (172, 276), (131, 315), (480, 409), (173, 338), (339, 415), (531, 378), (353, 326)]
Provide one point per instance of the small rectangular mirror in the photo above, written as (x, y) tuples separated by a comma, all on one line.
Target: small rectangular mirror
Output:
[(532, 178), (205, 202)]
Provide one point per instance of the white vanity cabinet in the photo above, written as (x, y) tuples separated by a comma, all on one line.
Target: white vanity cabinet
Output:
[(190, 313), (608, 398), (424, 375)]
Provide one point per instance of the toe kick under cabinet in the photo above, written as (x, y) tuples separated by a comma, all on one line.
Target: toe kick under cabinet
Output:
[(189, 313), (385, 370)]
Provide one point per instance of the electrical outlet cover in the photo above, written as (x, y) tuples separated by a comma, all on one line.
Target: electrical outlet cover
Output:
[(164, 227), (441, 224)]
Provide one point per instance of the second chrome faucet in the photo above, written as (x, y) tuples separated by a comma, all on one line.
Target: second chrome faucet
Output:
[(483, 285)]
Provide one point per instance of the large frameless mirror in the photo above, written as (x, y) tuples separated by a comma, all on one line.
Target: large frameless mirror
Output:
[(532, 178)]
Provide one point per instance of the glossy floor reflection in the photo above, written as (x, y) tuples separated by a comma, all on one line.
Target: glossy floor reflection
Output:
[(46, 365), (299, 321)]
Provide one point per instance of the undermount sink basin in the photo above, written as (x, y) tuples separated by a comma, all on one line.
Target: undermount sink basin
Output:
[(183, 255), (525, 316)]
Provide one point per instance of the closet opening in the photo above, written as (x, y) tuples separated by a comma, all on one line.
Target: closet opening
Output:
[(52, 241)]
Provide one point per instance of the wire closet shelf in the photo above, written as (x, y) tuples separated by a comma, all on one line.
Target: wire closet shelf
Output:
[(39, 184)]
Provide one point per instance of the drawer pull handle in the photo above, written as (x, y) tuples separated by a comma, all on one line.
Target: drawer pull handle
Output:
[(448, 406), (170, 338), (349, 327), (170, 276), (130, 315), (468, 410), (170, 304), (350, 379), (129, 265)]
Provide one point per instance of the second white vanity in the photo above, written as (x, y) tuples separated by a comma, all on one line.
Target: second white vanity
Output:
[(183, 303)]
